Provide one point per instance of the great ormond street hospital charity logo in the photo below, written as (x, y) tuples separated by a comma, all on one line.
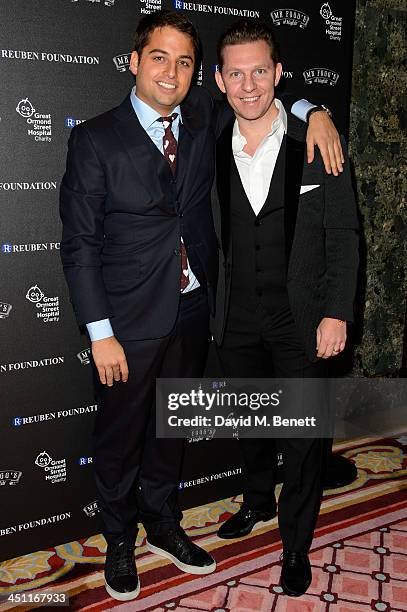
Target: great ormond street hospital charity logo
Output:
[(39, 124), (47, 307), (54, 469), (25, 108), (43, 460), (325, 11), (333, 24), (34, 294)]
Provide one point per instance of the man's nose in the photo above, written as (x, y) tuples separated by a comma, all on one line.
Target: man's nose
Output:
[(248, 83), (171, 69)]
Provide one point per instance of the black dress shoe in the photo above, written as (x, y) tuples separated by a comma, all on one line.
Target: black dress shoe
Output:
[(296, 573), (121, 580), (241, 523), (340, 472), (187, 556)]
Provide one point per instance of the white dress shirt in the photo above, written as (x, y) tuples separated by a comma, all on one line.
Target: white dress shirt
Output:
[(256, 172)]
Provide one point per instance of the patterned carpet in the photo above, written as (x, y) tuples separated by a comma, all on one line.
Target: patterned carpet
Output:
[(359, 555)]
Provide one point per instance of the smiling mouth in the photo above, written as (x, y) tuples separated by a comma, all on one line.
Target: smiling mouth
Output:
[(169, 86), (251, 99)]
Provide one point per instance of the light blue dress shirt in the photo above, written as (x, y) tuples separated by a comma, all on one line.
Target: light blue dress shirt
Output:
[(148, 118), (301, 108)]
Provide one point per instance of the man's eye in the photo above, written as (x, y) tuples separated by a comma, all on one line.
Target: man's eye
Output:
[(158, 58), (234, 75), (260, 71), (184, 63)]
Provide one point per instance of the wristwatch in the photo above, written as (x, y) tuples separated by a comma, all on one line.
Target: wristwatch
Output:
[(315, 109)]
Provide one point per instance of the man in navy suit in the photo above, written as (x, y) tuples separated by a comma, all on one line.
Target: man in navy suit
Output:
[(140, 257)]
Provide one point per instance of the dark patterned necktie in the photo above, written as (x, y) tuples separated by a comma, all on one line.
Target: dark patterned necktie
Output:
[(170, 154)]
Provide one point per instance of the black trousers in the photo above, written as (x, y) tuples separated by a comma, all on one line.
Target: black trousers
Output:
[(259, 343), (137, 475)]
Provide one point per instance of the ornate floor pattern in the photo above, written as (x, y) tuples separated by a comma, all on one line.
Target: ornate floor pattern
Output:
[(359, 555)]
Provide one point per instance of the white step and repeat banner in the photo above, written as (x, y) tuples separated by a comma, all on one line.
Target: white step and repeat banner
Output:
[(62, 62)]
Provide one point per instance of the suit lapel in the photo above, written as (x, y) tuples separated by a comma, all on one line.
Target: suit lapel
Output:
[(147, 160), (224, 158), (192, 130), (294, 166)]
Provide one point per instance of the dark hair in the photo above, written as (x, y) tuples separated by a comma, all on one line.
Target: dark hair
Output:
[(162, 19), (245, 31)]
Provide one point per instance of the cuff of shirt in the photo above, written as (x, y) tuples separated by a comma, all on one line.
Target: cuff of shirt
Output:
[(301, 108), (99, 330)]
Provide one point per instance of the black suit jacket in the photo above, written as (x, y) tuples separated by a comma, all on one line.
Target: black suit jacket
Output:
[(123, 215), (321, 237)]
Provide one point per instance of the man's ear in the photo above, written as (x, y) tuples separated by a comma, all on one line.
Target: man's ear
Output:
[(219, 81), (279, 71), (134, 62)]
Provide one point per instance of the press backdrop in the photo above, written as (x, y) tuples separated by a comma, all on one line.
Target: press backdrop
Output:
[(62, 62)]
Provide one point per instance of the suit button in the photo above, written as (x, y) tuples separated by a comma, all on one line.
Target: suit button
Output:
[(177, 252), (258, 269), (257, 222), (180, 214), (257, 247), (259, 292)]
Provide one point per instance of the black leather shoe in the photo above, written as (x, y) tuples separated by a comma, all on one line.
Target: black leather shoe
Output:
[(296, 573), (187, 556), (241, 523), (121, 580)]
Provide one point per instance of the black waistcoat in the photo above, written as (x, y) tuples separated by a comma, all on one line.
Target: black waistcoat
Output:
[(258, 242)]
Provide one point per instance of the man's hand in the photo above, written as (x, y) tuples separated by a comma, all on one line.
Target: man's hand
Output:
[(331, 337), (110, 360), (323, 133)]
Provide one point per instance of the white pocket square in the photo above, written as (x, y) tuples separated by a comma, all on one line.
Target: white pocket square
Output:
[(305, 188)]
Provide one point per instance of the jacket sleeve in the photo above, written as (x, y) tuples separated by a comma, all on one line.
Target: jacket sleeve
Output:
[(82, 210), (341, 244)]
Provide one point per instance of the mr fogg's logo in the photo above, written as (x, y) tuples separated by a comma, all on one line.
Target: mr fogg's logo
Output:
[(10, 477), (91, 509), (54, 469), (321, 76), (84, 356), (291, 17), (5, 310), (122, 62), (39, 124), (47, 307)]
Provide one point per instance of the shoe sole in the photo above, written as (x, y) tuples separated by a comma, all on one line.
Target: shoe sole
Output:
[(184, 567), (122, 596), (291, 593), (243, 535)]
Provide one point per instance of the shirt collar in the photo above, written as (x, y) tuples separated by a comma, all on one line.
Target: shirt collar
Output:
[(146, 115), (239, 141)]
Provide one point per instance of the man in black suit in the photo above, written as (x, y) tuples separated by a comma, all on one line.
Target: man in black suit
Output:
[(140, 257), (289, 260)]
